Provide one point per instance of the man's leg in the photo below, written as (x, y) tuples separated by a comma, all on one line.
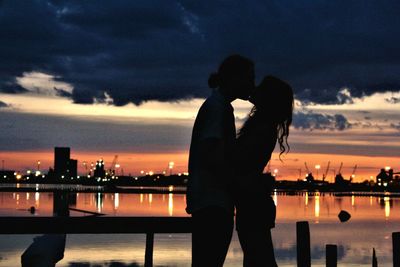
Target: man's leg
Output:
[(212, 234)]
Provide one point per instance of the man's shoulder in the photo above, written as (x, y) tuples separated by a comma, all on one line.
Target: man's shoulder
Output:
[(210, 106)]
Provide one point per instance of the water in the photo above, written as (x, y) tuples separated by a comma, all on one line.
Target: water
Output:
[(373, 220)]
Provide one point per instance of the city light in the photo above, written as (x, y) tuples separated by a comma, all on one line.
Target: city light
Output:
[(171, 166)]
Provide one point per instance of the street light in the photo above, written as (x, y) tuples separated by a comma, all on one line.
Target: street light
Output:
[(170, 167)]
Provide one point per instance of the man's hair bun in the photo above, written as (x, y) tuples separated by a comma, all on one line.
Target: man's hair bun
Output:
[(213, 80)]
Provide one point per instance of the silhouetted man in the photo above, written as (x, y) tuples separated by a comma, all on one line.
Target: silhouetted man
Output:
[(209, 199)]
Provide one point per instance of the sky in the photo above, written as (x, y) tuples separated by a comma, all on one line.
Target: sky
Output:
[(126, 78)]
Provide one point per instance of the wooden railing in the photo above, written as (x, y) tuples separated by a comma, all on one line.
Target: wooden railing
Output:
[(152, 225), (98, 225)]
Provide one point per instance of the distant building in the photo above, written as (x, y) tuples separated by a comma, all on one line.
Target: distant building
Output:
[(99, 171), (61, 161), (310, 178), (383, 178), (64, 166), (6, 175), (73, 168)]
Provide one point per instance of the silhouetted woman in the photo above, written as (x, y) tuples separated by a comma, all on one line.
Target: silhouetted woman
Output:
[(267, 123)]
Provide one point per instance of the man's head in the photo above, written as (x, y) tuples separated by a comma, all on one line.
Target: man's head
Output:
[(235, 77)]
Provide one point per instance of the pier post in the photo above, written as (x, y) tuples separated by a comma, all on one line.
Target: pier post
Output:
[(396, 249), (60, 204), (303, 244), (331, 255), (374, 259), (148, 258)]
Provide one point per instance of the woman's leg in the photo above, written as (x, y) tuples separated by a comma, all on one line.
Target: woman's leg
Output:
[(257, 246)]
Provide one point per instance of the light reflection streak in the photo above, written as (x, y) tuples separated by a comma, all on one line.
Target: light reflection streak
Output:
[(387, 207), (317, 207), (150, 198), (170, 204), (116, 200), (275, 198), (37, 199), (306, 199), (27, 196), (353, 201), (99, 202), (141, 198)]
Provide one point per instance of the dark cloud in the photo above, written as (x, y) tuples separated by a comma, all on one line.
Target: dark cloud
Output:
[(395, 126), (11, 88), (317, 121), (46, 131), (3, 105), (393, 100), (61, 92), (136, 51)]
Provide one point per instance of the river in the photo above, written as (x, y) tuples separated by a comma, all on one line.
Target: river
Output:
[(371, 225)]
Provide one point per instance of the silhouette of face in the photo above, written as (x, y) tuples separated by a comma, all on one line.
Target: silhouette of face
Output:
[(245, 84)]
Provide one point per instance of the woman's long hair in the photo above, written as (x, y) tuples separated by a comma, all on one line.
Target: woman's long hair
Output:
[(273, 107)]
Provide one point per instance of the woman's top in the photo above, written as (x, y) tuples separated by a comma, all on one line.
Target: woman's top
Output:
[(254, 146)]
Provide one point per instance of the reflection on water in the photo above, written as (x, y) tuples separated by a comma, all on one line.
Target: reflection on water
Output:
[(316, 207), (387, 207), (292, 208), (275, 198), (116, 201), (371, 225), (99, 202), (170, 204), (306, 199)]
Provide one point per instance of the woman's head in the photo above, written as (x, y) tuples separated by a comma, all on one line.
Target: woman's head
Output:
[(275, 97), (235, 77), (273, 103)]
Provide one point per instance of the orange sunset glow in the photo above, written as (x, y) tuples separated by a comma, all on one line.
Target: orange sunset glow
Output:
[(290, 168)]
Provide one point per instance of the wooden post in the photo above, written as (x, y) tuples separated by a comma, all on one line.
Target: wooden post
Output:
[(374, 259), (303, 244), (396, 249), (148, 258), (331, 255)]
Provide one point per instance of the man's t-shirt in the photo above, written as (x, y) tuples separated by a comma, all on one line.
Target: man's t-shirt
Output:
[(215, 120)]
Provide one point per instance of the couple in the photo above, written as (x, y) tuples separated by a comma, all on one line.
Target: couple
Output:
[(226, 168)]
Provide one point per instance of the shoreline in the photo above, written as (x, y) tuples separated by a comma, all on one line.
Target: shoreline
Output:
[(173, 189)]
